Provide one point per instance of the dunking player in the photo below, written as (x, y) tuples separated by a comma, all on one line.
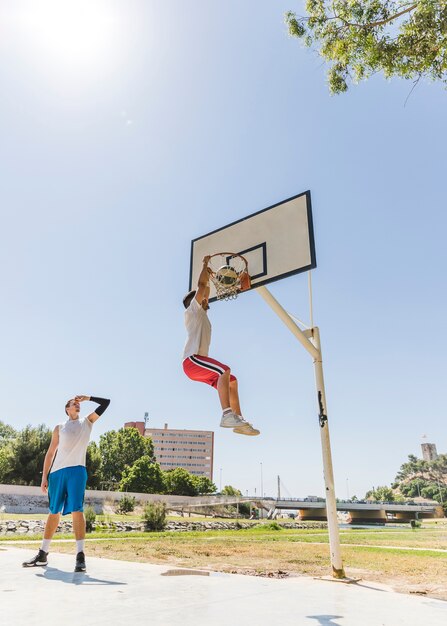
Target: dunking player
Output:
[(197, 365), (65, 479)]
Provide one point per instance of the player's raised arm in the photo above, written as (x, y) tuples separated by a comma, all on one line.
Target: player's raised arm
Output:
[(203, 284), (103, 404)]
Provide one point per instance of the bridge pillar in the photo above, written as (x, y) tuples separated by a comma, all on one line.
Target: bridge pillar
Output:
[(366, 517), (314, 515), (405, 516)]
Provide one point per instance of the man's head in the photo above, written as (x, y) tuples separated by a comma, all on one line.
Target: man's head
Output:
[(72, 408), (192, 294), (189, 298)]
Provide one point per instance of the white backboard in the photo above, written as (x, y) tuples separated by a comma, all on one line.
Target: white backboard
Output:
[(277, 242)]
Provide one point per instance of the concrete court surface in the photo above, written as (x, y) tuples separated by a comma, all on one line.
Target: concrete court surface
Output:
[(117, 592)]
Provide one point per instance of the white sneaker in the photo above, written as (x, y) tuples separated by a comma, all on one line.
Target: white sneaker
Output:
[(245, 428), (230, 420)]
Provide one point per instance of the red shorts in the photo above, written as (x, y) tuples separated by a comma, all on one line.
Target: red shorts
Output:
[(205, 370)]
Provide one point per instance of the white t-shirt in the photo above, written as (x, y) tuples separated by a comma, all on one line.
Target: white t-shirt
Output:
[(198, 328), (74, 436)]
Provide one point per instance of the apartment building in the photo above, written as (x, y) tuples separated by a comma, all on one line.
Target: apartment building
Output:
[(191, 449)]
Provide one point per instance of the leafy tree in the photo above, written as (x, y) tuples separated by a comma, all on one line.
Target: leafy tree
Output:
[(228, 490), (427, 479), (204, 485), (7, 433), (244, 507), (93, 464), (120, 449), (364, 37), (144, 476), (26, 455), (381, 494), (180, 482), (5, 455)]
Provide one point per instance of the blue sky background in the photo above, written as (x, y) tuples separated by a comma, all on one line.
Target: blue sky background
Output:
[(145, 124)]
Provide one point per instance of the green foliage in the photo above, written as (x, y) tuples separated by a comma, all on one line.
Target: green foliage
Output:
[(4, 463), (126, 505), (268, 526), (7, 433), (154, 516), (427, 479), (204, 485), (244, 507), (144, 476), (228, 490), (180, 482), (119, 450), (90, 517), (25, 456), (383, 494), (364, 37), (93, 465)]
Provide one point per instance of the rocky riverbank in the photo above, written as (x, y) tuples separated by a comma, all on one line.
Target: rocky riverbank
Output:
[(36, 527)]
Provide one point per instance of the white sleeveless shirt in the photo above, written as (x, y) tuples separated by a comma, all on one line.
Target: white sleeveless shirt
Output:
[(74, 436), (198, 328)]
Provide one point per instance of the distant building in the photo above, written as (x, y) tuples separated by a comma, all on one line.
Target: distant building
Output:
[(429, 452), (191, 449)]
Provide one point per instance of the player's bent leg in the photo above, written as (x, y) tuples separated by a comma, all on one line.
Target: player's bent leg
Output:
[(234, 397), (223, 389)]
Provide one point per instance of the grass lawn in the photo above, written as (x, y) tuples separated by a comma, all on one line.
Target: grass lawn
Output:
[(384, 555)]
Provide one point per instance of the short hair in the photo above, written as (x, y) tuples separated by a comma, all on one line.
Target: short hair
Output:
[(188, 298), (67, 404)]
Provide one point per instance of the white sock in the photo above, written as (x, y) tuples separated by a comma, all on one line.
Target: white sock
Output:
[(45, 545), (80, 543), (225, 411)]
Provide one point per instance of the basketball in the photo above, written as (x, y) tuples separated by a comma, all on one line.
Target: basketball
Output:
[(226, 275)]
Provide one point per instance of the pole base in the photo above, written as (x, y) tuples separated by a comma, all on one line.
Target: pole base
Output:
[(344, 579)]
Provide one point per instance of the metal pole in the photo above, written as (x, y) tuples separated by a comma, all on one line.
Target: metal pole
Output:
[(331, 504), (285, 317), (315, 351)]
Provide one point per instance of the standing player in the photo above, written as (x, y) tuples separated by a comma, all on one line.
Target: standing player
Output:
[(197, 365), (65, 479)]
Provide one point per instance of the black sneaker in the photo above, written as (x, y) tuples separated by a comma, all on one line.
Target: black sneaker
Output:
[(38, 561), (80, 562)]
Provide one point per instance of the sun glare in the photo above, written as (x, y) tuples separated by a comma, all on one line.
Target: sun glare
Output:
[(75, 34)]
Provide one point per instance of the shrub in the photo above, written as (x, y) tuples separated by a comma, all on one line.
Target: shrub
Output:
[(154, 516), (126, 505), (90, 517), (269, 526)]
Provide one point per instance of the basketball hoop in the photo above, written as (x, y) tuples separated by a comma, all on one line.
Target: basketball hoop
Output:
[(229, 274)]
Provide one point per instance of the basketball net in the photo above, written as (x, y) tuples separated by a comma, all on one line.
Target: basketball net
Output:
[(229, 274)]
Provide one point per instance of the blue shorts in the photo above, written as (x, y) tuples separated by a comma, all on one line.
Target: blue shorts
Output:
[(66, 489)]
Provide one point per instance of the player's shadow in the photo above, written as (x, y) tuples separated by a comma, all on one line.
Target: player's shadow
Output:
[(326, 620), (75, 578)]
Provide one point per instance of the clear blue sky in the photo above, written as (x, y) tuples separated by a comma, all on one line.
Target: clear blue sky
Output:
[(130, 128)]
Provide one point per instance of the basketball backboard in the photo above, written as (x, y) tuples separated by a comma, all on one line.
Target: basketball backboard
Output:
[(277, 242)]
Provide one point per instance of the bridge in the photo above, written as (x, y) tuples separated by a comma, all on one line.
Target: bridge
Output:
[(358, 512)]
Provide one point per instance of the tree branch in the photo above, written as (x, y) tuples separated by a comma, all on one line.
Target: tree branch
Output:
[(381, 22)]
